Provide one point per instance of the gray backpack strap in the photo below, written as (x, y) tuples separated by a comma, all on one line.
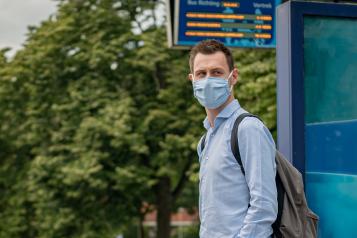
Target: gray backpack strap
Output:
[(279, 185), (234, 138)]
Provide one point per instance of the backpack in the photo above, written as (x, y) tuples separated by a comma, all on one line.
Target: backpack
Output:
[(294, 218)]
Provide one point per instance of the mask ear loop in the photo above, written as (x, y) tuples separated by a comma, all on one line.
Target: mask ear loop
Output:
[(229, 76)]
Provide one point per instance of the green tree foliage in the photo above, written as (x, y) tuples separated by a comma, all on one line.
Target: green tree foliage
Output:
[(256, 87), (97, 121)]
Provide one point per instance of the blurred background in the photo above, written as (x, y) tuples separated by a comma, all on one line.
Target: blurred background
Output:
[(98, 123)]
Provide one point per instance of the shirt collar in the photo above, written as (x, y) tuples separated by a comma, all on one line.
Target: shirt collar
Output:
[(225, 113)]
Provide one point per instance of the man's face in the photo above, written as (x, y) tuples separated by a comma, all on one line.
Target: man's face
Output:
[(209, 65)]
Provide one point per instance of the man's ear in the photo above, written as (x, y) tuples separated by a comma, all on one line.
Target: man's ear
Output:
[(235, 76), (190, 77)]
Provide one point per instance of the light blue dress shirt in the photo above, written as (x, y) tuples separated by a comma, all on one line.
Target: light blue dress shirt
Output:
[(224, 192)]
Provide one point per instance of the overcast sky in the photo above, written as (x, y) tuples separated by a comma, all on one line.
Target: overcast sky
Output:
[(16, 15)]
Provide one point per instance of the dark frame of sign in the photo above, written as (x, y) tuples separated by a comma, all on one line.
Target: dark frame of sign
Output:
[(290, 72)]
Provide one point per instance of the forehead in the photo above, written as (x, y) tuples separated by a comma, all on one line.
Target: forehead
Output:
[(209, 61)]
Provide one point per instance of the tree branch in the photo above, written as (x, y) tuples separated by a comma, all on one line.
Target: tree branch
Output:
[(159, 77)]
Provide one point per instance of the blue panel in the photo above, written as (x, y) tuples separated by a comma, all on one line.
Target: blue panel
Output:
[(317, 81), (291, 90), (330, 93), (332, 147), (330, 68), (235, 23), (334, 198)]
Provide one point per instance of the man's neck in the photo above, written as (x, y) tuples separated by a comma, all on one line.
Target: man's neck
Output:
[(212, 113)]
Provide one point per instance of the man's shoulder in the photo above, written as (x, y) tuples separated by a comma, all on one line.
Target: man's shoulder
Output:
[(249, 122), (253, 125)]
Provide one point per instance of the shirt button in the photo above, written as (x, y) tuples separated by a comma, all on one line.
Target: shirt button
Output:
[(206, 157)]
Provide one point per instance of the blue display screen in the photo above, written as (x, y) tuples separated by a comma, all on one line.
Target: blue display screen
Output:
[(330, 59), (235, 23)]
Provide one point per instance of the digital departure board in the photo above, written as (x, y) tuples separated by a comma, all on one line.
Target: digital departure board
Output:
[(240, 23)]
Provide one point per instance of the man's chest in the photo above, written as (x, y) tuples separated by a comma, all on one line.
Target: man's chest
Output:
[(217, 160)]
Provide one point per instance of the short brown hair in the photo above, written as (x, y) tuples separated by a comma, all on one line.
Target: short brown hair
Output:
[(208, 47)]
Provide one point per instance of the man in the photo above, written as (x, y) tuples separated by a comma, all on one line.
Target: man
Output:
[(231, 204)]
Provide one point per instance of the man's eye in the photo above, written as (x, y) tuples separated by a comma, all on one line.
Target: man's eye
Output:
[(200, 74)]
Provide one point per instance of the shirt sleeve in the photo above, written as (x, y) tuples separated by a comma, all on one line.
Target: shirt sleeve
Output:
[(257, 150)]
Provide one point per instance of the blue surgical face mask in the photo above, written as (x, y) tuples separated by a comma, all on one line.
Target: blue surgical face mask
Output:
[(212, 92)]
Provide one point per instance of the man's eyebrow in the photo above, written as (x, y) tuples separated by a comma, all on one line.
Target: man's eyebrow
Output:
[(217, 68), (214, 68), (200, 70)]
